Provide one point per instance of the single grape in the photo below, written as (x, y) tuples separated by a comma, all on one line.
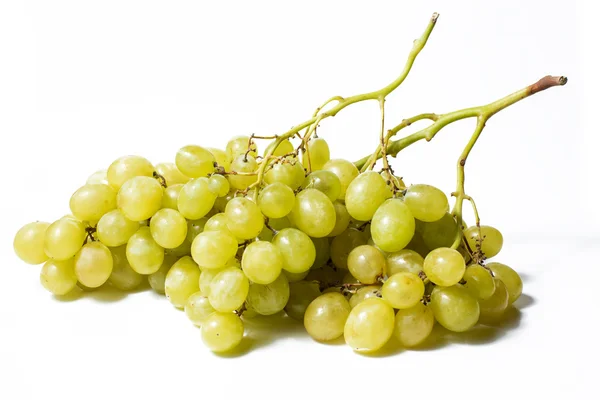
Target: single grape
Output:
[(426, 203), (195, 199), (321, 252), (295, 277), (172, 174), (479, 282), (182, 281), (262, 262), (29, 242), (244, 218), (417, 244), (365, 194), (171, 195), (228, 290), (140, 197), (326, 315), (290, 172), (324, 181), (313, 213), (168, 228), (370, 325), (342, 219), (195, 161), (246, 166), (194, 228), (343, 244), (318, 153), (302, 293), (276, 200), (296, 248), (404, 261), (403, 290), (221, 158), (206, 278), (511, 279), (345, 171), (239, 146), (440, 233), (222, 332), (123, 277), (143, 253), (184, 249), (58, 277), (492, 308), (93, 264), (198, 308), (413, 325), (91, 202), (213, 249), (64, 238), (393, 226), (454, 308), (349, 278), (98, 177), (366, 263), (444, 266), (125, 168), (364, 293), (284, 148), (491, 239), (269, 299), (157, 279), (219, 185)]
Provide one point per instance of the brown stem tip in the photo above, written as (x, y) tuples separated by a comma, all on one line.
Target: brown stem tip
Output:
[(547, 82), (435, 16)]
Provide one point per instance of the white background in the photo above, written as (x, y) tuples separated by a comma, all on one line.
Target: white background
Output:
[(84, 82)]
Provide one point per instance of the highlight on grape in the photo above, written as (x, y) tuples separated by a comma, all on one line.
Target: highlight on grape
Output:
[(346, 248)]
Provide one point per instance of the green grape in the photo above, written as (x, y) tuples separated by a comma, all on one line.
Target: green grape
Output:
[(206, 278), (271, 298), (370, 325), (327, 275), (64, 238), (440, 233), (198, 308), (296, 248), (195, 161), (168, 228), (417, 244), (366, 292), (479, 282), (144, 255), (228, 290), (321, 252), (349, 278), (285, 147), (213, 249), (366, 263), (313, 213), (444, 266), (244, 165), (98, 177), (302, 293), (91, 202), (413, 325), (324, 181), (195, 227), (276, 200), (343, 244), (221, 158), (290, 172), (492, 308), (217, 223), (342, 219), (29, 242), (345, 171), (239, 146), (58, 277), (318, 153), (123, 277), (326, 315), (295, 277), (195, 199), (171, 195), (393, 226), (426, 203), (403, 290), (184, 249), (454, 308), (365, 194), (404, 261), (140, 197), (125, 168), (172, 174), (182, 281), (157, 279), (244, 219), (511, 279), (93, 264), (222, 332), (219, 185), (262, 262), (491, 243)]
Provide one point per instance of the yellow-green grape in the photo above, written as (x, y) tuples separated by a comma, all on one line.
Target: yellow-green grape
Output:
[(345, 171), (221, 202), (221, 158), (295, 277), (326, 315), (366, 263), (29, 242), (172, 174), (168, 228), (219, 185), (195, 161), (417, 244), (157, 279), (90, 202), (426, 203), (479, 282), (222, 332), (213, 249), (286, 172), (454, 308), (444, 266), (370, 325), (64, 238), (285, 147), (114, 228), (403, 290), (171, 195), (218, 223), (492, 308), (58, 277), (326, 275), (318, 153), (404, 261), (342, 219), (511, 279), (491, 239), (182, 281), (302, 293), (244, 218), (198, 308), (206, 278), (195, 227), (143, 253), (123, 277), (297, 250), (321, 252), (239, 146), (271, 298), (299, 174), (195, 199), (440, 233), (365, 194), (413, 325), (313, 213), (343, 244), (98, 177), (228, 290), (276, 200), (393, 226), (349, 278), (140, 197), (246, 167), (324, 181), (262, 262), (93, 264), (364, 293), (125, 168), (184, 249)]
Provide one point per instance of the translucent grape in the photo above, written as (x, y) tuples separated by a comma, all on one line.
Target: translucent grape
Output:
[(403, 290), (244, 165), (64, 238), (168, 228), (302, 293), (370, 325), (157, 279), (342, 245), (228, 290), (90, 202), (366, 263), (479, 282), (491, 243), (318, 152), (219, 185), (171, 195), (221, 158), (140, 197), (444, 266), (185, 249), (393, 226), (413, 325), (144, 255), (194, 228), (123, 277), (364, 293), (342, 219), (182, 281), (195, 161), (239, 146), (326, 315), (195, 199), (404, 261), (206, 278), (276, 200), (440, 233), (93, 264), (285, 147), (345, 171), (324, 181), (244, 218), (492, 308), (98, 177), (58, 277), (213, 249), (125, 168), (295, 277), (511, 279), (321, 252), (349, 278), (454, 308), (313, 213), (426, 203), (290, 173), (222, 331), (29, 242), (269, 299), (262, 262), (365, 194), (296, 248), (198, 308), (172, 174)]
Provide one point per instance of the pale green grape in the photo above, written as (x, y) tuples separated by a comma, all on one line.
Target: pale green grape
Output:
[(365, 194), (276, 200), (98, 177), (144, 255), (195, 199), (123, 277), (168, 228), (321, 252), (182, 281), (349, 278), (295, 277), (262, 262), (370, 325), (29, 242), (213, 249), (64, 238), (206, 278), (324, 181), (364, 293), (440, 233), (454, 308), (157, 279), (222, 331), (198, 308), (218, 223), (228, 290), (326, 315), (342, 219), (285, 147), (58, 277), (313, 213), (93, 264), (172, 174), (403, 290), (290, 173), (343, 244), (244, 165), (219, 185), (479, 282), (271, 298), (511, 279), (184, 249), (125, 168), (366, 263), (345, 171), (492, 308), (413, 325), (221, 158), (404, 261), (195, 227), (318, 153), (444, 266), (426, 203), (239, 146), (297, 250), (302, 293), (195, 161), (244, 218), (491, 242), (393, 226), (91, 202), (171, 195), (140, 197)]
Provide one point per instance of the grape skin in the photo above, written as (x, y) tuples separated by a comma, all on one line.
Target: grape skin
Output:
[(365, 194), (454, 308), (93, 264), (29, 243), (413, 325), (222, 332), (392, 226), (271, 298), (213, 249), (182, 281), (296, 248), (510, 278), (444, 266), (426, 203), (58, 277), (198, 308), (140, 198), (228, 290), (318, 153), (491, 243), (369, 325), (168, 228), (345, 171), (64, 238), (302, 293), (262, 262), (403, 290), (144, 255), (326, 315), (314, 213), (366, 263)]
